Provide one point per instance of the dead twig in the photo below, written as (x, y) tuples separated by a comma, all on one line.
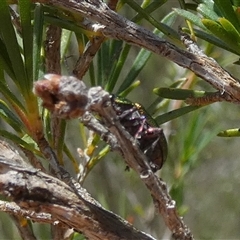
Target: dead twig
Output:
[(43, 198), (68, 99), (112, 25), (90, 50)]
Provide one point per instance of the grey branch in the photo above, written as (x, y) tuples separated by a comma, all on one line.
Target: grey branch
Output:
[(68, 97), (43, 198), (135, 158), (113, 25), (90, 50)]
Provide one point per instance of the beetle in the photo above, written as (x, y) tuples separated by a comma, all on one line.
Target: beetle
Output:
[(135, 119)]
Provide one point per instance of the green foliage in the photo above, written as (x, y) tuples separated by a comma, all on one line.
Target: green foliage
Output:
[(22, 62), (17, 62), (235, 132), (217, 22)]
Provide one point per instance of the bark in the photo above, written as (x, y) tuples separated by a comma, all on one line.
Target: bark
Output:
[(66, 97), (105, 21), (43, 198)]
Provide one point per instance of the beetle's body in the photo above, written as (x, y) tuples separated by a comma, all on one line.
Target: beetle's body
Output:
[(140, 125)]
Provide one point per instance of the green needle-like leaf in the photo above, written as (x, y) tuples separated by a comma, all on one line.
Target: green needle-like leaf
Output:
[(193, 18), (130, 89), (11, 44), (65, 41), (235, 132), (236, 3), (231, 30), (117, 51), (106, 62), (95, 160), (10, 117), (173, 93), (92, 74), (27, 36), (60, 141), (5, 62), (11, 98), (227, 11), (137, 66), (208, 12), (143, 57), (148, 9), (19, 142), (218, 30), (37, 40), (100, 70), (71, 158), (180, 94), (175, 114), (116, 70), (158, 25)]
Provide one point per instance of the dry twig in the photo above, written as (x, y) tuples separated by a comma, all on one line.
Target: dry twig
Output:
[(90, 50), (43, 198), (112, 25), (66, 98)]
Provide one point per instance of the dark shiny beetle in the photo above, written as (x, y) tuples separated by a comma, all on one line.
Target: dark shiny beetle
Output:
[(140, 125)]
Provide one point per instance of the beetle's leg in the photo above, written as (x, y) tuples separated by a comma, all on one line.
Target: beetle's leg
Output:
[(127, 113), (138, 134)]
